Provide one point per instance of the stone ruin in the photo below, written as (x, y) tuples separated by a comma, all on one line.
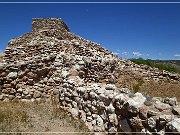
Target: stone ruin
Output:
[(52, 61), (50, 23)]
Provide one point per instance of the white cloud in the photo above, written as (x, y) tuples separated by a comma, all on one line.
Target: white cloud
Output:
[(115, 53), (137, 54), (148, 55), (125, 53), (177, 55)]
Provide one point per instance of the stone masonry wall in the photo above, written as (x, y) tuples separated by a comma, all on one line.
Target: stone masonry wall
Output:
[(105, 108), (48, 23), (55, 62)]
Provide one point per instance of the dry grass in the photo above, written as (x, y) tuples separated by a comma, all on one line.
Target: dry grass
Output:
[(128, 81), (1, 56), (37, 117), (151, 88), (162, 89), (9, 115)]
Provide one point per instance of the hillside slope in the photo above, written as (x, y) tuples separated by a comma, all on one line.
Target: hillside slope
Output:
[(175, 63)]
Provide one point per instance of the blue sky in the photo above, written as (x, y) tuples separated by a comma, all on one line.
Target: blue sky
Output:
[(129, 30)]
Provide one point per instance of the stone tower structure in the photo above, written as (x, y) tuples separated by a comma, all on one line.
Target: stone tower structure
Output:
[(39, 24)]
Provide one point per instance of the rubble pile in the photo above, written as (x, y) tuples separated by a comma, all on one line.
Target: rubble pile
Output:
[(52, 61)]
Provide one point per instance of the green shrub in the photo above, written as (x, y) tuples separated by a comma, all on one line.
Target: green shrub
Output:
[(151, 63), (136, 87)]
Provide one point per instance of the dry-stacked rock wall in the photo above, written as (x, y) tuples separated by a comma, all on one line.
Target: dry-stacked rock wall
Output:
[(48, 23), (105, 108), (51, 61)]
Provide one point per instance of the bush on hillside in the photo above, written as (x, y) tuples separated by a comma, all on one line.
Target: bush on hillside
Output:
[(150, 63)]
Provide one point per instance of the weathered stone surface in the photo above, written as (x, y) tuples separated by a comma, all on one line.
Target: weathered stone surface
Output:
[(2, 97), (136, 123), (171, 101), (145, 131), (110, 109), (174, 125), (162, 106), (125, 90), (99, 121), (152, 113), (12, 75), (37, 94), (124, 126), (2, 65), (25, 92), (55, 91), (51, 61), (112, 130), (166, 118), (110, 87), (74, 112), (40, 24), (89, 119), (11, 97), (151, 123), (139, 100), (176, 110)]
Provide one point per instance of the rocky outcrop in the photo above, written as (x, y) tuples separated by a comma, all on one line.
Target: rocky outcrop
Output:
[(52, 61)]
